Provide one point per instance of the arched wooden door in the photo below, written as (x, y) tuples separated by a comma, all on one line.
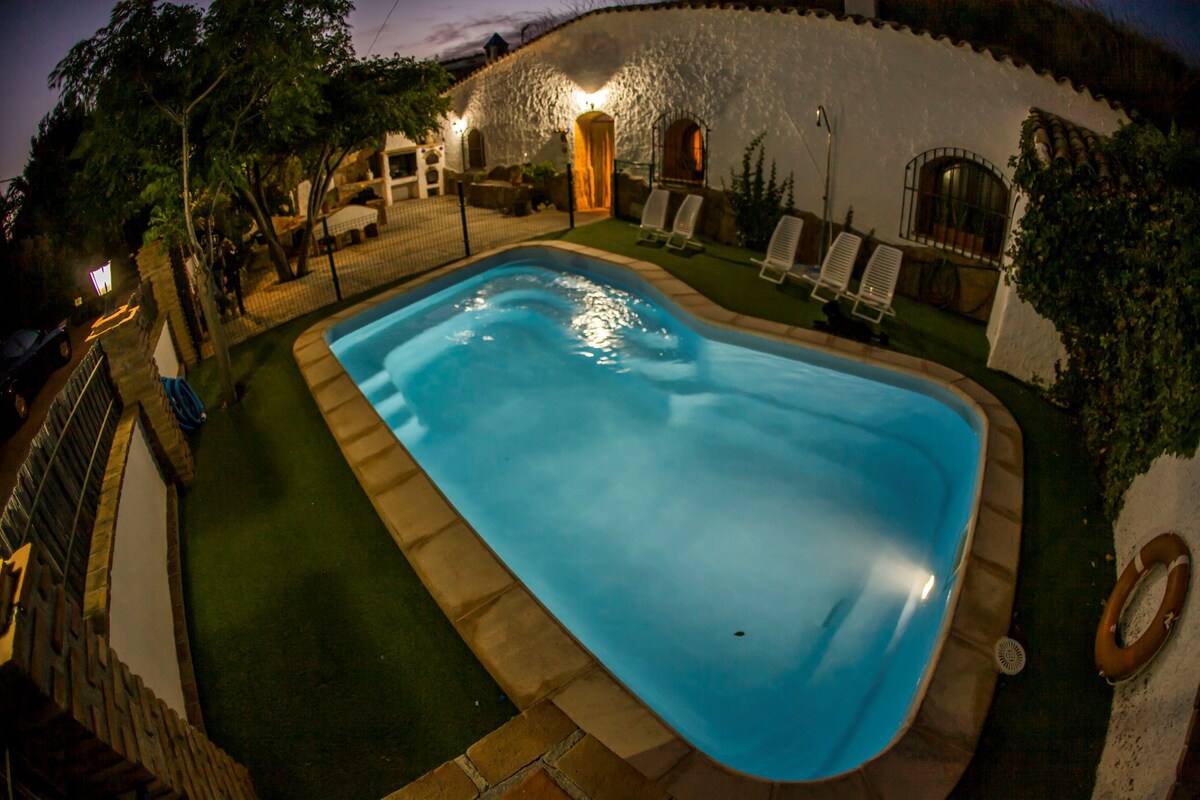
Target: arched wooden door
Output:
[(593, 161)]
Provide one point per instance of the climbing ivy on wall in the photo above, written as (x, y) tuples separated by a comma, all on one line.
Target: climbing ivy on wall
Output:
[(1116, 268)]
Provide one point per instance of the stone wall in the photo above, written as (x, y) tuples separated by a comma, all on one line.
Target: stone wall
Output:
[(78, 714)]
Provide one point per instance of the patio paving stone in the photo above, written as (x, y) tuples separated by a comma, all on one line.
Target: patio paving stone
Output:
[(447, 782), (698, 777), (323, 369), (1005, 446), (352, 419), (459, 570), (997, 539), (385, 468), (1003, 490), (538, 786), (762, 325), (607, 710), (336, 392), (522, 646), (848, 786), (958, 696), (603, 775), (520, 741), (371, 443), (984, 610), (413, 510), (918, 765)]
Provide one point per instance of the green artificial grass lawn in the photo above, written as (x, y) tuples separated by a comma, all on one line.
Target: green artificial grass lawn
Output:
[(326, 668), (324, 665)]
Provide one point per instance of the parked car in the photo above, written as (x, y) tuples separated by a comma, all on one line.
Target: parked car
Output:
[(27, 358)]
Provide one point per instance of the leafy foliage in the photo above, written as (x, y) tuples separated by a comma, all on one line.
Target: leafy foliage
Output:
[(1118, 272), (758, 201)]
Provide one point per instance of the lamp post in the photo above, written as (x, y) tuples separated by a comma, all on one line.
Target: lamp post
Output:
[(823, 118)]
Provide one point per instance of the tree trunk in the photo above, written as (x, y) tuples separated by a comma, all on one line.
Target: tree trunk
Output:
[(306, 237), (275, 250), (216, 330)]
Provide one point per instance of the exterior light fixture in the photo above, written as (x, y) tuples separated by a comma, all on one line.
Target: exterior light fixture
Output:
[(459, 126), (102, 279), (589, 101)]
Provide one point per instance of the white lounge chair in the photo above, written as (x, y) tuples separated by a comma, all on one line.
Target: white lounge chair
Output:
[(835, 270), (781, 252), (685, 224), (878, 284), (654, 216)]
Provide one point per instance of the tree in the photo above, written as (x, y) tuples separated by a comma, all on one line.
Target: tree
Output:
[(168, 59), (361, 101)]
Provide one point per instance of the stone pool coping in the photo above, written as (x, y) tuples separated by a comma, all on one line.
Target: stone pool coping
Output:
[(535, 658)]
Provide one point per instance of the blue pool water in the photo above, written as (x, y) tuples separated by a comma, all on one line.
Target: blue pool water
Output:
[(740, 530)]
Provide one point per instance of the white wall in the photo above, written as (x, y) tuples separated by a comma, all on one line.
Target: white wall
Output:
[(141, 627), (892, 95), (1150, 715), (164, 353)]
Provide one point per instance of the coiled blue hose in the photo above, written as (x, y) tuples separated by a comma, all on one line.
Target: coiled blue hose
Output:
[(189, 411)]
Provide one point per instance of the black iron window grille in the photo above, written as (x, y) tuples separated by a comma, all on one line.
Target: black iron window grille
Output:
[(957, 201), (679, 148)]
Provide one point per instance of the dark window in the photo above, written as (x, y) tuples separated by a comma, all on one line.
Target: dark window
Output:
[(956, 201), (475, 156), (681, 148)]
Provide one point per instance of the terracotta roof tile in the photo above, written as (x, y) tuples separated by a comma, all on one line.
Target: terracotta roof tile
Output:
[(1058, 139)]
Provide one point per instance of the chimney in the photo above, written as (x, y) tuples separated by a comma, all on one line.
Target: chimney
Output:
[(495, 47)]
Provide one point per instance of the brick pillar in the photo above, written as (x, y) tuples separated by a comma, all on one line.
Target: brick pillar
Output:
[(125, 339), (80, 716), (154, 265)]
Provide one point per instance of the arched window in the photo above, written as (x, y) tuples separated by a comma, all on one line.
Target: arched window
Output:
[(958, 201), (475, 157), (681, 148)]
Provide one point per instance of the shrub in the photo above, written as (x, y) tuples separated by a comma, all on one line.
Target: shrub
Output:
[(1117, 270), (757, 203)]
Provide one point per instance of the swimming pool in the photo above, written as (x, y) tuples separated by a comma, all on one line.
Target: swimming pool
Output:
[(759, 540)]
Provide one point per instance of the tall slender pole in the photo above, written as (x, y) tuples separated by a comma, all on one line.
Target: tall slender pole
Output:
[(826, 227)]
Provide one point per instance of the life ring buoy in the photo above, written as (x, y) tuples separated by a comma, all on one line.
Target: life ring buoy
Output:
[(1118, 663)]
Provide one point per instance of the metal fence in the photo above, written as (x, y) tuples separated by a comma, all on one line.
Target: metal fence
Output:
[(375, 247), (58, 488)]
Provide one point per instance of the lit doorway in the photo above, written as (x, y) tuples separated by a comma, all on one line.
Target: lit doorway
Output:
[(593, 161)]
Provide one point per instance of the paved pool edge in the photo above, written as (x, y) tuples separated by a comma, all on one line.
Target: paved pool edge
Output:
[(534, 658)]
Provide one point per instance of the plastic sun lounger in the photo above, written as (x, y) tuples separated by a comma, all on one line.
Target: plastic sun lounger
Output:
[(685, 224), (781, 252), (834, 274), (878, 284), (654, 217)]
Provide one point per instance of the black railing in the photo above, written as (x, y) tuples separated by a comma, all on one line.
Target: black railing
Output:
[(372, 246), (954, 200), (57, 493)]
